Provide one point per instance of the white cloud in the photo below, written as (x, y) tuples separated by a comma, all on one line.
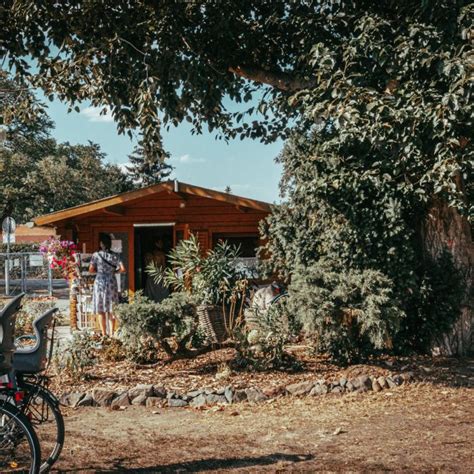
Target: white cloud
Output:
[(93, 114), (188, 159)]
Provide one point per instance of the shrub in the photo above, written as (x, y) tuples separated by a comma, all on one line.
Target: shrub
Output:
[(145, 326), (75, 355), (262, 347), (112, 350), (347, 314)]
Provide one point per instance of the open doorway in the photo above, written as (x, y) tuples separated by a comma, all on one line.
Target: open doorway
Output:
[(147, 238)]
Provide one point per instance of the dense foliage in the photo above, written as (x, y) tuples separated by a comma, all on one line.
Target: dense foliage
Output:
[(210, 277), (39, 175), (146, 327), (392, 131), (377, 93)]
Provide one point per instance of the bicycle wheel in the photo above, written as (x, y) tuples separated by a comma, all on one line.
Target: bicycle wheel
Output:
[(19, 446), (42, 408)]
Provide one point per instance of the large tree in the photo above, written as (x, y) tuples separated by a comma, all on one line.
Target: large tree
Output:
[(389, 80)]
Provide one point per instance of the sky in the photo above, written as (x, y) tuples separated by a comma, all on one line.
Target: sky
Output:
[(247, 166)]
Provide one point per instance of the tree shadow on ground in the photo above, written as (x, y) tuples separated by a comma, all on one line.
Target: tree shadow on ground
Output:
[(212, 464), (444, 371)]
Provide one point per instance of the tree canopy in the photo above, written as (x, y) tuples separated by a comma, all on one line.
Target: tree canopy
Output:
[(360, 65), (375, 95)]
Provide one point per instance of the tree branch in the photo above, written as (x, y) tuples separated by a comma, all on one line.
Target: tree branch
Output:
[(278, 79)]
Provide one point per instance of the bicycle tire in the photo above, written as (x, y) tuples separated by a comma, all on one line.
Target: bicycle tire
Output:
[(14, 425), (51, 450)]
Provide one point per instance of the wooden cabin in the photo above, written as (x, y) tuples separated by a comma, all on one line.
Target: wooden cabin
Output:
[(169, 211)]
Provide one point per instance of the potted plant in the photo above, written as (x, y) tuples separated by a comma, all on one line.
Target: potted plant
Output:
[(212, 279)]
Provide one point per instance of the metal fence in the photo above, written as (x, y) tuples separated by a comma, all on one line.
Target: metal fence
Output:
[(27, 272)]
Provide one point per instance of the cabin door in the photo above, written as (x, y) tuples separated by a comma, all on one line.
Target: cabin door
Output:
[(150, 238)]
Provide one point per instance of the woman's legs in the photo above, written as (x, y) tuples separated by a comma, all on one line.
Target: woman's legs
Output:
[(112, 323), (103, 323)]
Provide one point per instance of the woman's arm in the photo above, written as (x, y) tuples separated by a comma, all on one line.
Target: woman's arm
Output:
[(93, 265), (121, 268)]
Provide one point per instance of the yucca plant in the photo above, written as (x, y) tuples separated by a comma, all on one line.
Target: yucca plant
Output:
[(209, 277)]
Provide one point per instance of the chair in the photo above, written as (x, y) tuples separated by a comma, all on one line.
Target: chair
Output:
[(7, 332), (33, 359)]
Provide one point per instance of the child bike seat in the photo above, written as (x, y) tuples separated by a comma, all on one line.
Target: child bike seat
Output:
[(30, 360)]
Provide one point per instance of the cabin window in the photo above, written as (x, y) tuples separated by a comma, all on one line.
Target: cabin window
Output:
[(248, 242)]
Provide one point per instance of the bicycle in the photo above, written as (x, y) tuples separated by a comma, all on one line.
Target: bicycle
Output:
[(39, 403), (19, 446), (31, 394)]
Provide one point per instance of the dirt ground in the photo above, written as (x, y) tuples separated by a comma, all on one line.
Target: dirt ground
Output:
[(422, 427)]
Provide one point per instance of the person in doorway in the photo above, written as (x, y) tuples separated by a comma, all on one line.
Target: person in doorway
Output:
[(105, 264), (154, 290)]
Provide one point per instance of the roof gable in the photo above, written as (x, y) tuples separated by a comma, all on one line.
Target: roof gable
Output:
[(170, 186)]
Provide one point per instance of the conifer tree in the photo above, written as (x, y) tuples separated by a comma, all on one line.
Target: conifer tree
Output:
[(146, 170)]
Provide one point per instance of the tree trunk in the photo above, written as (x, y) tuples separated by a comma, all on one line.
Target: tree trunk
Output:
[(445, 228)]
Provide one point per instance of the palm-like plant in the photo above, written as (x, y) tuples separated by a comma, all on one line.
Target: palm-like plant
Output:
[(211, 277)]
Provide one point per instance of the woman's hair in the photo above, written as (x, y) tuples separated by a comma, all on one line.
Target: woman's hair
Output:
[(106, 240)]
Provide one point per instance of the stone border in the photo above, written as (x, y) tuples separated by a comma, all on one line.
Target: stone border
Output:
[(158, 396)]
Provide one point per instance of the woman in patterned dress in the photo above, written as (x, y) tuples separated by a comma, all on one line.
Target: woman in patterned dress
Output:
[(105, 264)]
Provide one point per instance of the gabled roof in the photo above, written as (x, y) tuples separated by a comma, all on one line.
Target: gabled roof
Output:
[(171, 186)]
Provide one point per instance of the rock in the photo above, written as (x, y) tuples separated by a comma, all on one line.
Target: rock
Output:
[(154, 402), (301, 388), (272, 392), (141, 389), (398, 379), (362, 389), (376, 387), (343, 382), (229, 394), (408, 376), (198, 401), (139, 400), (103, 396), (255, 395), (365, 381), (382, 382), (355, 383), (176, 402), (159, 391), (319, 389), (121, 400), (87, 401), (221, 391), (213, 399), (349, 387), (337, 389), (171, 394), (239, 396), (390, 382), (71, 399), (194, 393)]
